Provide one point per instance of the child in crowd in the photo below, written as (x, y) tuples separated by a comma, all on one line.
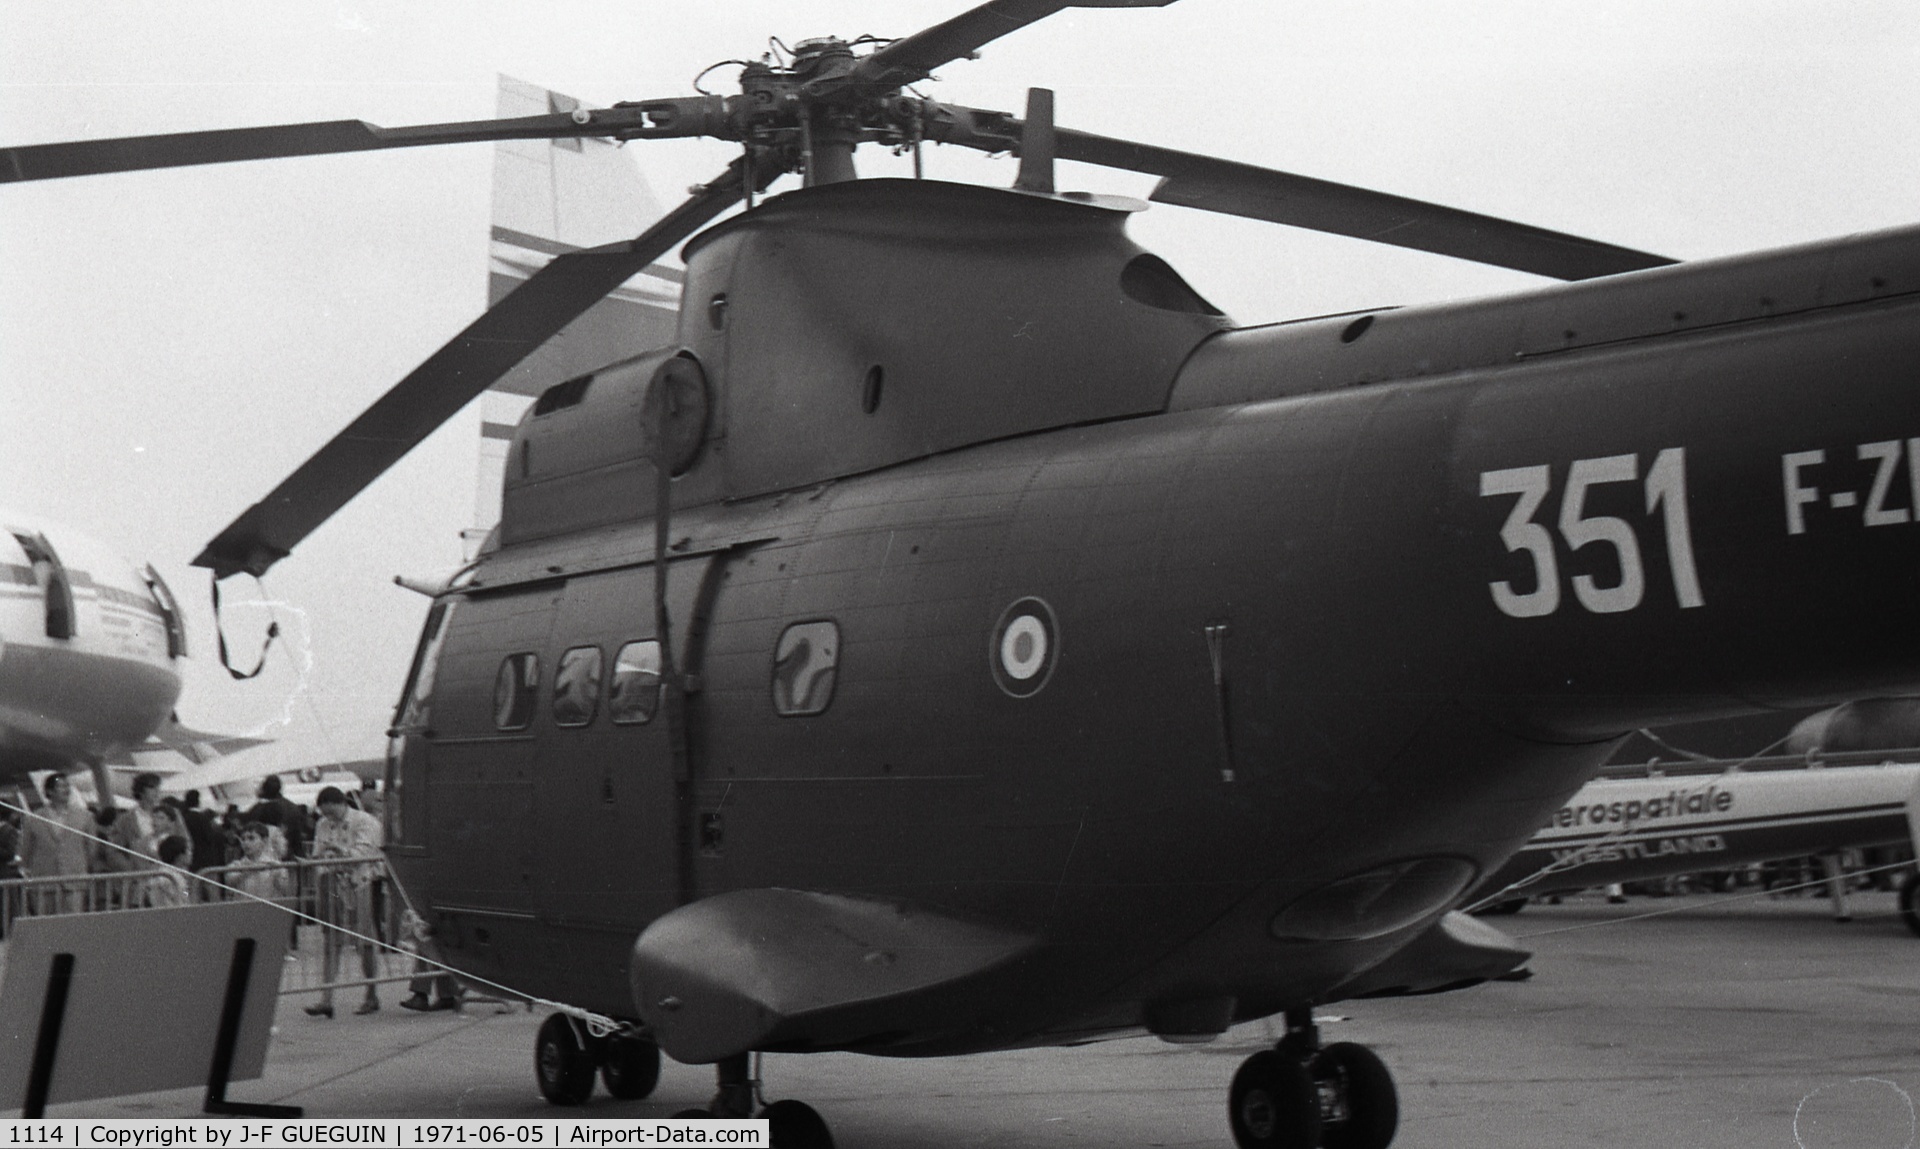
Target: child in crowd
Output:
[(168, 887), (260, 873)]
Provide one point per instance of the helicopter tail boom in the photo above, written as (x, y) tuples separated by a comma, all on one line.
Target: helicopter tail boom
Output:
[(1678, 495)]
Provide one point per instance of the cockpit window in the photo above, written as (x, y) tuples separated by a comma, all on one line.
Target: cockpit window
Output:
[(55, 584), (417, 696), (169, 612), (805, 665), (1147, 279)]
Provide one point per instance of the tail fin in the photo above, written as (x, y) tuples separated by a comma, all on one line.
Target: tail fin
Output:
[(549, 197)]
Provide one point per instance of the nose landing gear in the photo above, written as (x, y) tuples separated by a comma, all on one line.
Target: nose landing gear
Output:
[(1299, 1095)]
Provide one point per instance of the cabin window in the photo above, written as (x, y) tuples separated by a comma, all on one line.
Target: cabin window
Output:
[(635, 694), (515, 690), (805, 665), (576, 686)]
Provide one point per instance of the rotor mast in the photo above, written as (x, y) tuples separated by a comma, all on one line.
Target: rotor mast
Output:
[(829, 128)]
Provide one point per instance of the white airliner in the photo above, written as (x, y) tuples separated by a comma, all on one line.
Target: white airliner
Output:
[(1635, 829), (90, 650)]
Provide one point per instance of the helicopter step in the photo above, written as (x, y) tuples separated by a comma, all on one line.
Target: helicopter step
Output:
[(1302, 1095)]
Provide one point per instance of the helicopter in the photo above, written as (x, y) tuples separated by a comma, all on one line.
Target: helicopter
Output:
[(1248, 650)]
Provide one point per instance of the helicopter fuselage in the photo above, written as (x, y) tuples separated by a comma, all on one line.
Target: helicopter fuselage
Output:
[(1182, 700)]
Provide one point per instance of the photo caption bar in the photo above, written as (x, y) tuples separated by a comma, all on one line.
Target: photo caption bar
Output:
[(405, 1133)]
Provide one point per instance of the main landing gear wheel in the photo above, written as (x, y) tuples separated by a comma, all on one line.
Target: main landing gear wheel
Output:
[(630, 1067), (1909, 893), (790, 1124), (795, 1125), (562, 1063), (1367, 1109), (1273, 1104), (1300, 1096)]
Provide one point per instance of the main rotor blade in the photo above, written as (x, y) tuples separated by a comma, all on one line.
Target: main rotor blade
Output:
[(328, 137), (1212, 184), (430, 395), (914, 58)]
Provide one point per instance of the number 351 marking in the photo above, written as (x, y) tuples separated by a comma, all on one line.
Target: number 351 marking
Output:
[(1666, 491)]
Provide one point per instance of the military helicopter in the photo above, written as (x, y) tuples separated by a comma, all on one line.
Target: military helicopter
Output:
[(964, 637)]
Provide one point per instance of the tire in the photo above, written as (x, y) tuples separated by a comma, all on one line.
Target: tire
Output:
[(1273, 1104), (561, 1064), (629, 1067), (1373, 1104), (795, 1125)]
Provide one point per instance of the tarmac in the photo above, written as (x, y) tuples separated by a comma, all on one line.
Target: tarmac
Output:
[(1748, 1023)]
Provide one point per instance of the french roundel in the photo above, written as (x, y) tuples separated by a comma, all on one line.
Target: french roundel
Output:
[(1026, 644)]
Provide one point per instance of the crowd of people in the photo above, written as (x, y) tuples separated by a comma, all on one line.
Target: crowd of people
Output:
[(67, 838), (154, 845)]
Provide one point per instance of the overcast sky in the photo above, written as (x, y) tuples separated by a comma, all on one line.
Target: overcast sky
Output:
[(173, 343)]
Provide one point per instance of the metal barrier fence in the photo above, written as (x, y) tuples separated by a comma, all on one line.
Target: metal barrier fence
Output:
[(339, 898)]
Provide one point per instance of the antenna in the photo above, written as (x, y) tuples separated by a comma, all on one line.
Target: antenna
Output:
[(1037, 144)]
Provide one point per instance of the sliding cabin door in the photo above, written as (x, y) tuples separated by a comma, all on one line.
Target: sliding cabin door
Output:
[(607, 806), (479, 747)]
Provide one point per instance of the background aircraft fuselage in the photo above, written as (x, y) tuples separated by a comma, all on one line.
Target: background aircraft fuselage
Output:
[(96, 675), (1637, 829)]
